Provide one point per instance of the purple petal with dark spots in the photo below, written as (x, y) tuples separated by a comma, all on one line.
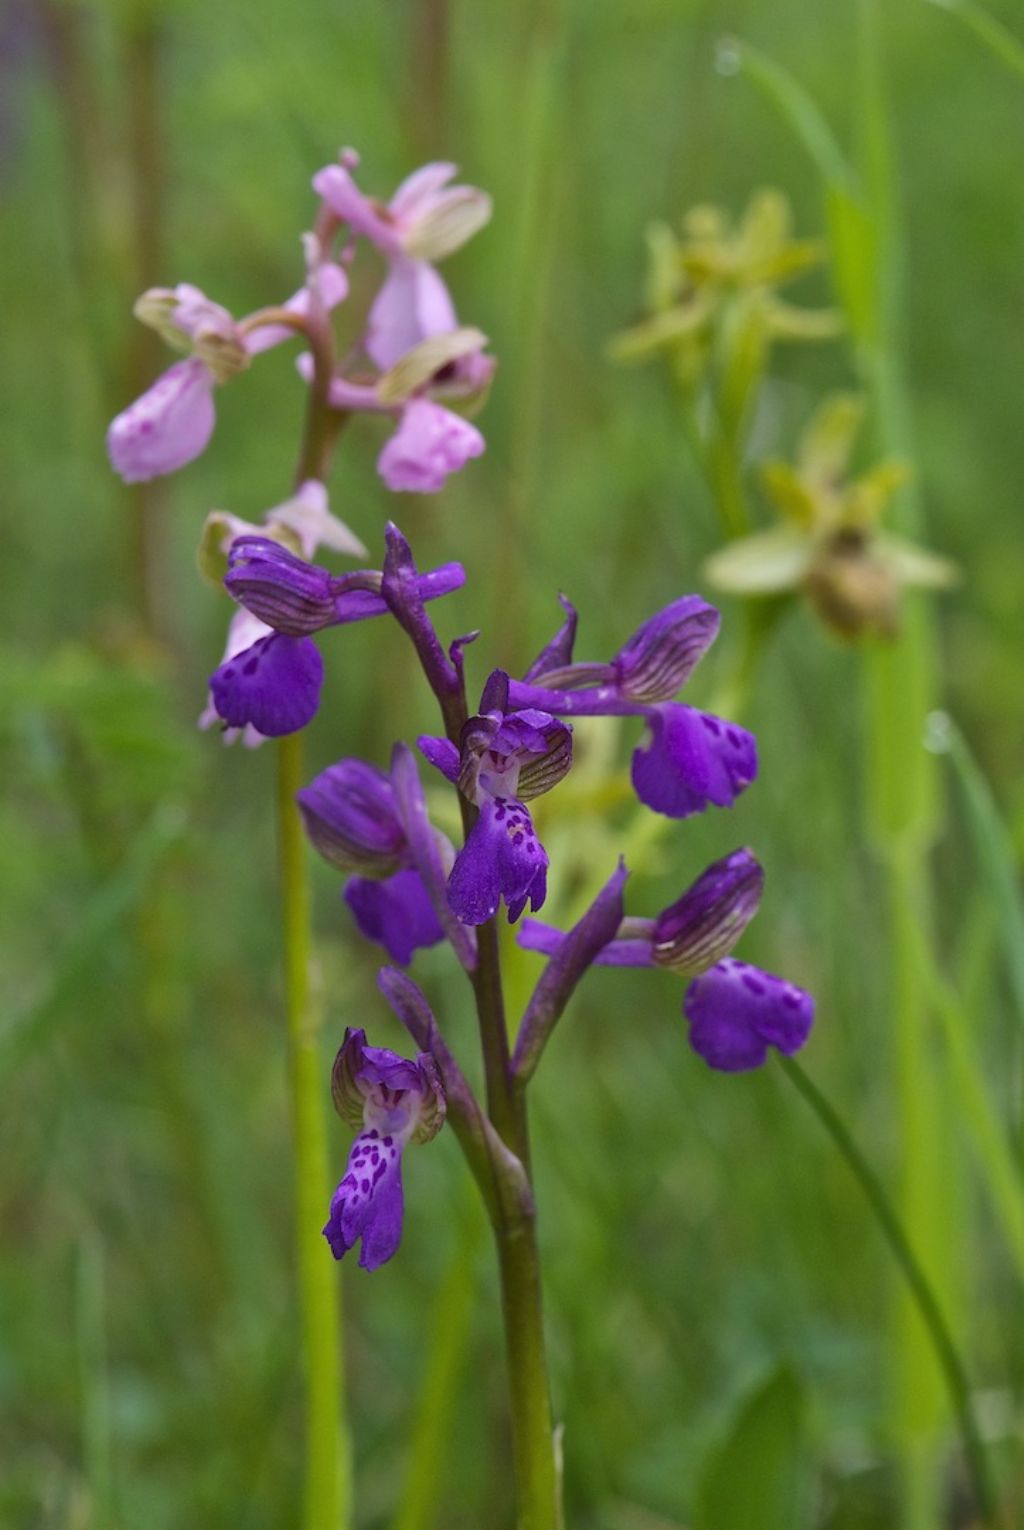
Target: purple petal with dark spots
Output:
[(691, 761), (274, 685), (737, 1011), (368, 1204), (502, 858)]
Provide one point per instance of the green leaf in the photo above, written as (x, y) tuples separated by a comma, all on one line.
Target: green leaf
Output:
[(754, 1478), (992, 845), (989, 30)]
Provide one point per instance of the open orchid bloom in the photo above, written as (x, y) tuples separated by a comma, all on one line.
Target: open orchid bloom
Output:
[(275, 684), (505, 759), (735, 1011), (828, 542), (690, 759), (393, 1101), (363, 822), (172, 422), (692, 279), (426, 218), (425, 360)]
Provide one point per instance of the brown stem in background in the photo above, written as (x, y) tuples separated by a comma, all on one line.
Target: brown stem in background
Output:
[(146, 506), (428, 78)]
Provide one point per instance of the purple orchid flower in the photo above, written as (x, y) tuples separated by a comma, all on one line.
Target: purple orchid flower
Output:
[(735, 1011), (424, 357), (430, 443), (393, 1101), (426, 218), (375, 824), (506, 758), (172, 422), (275, 684), (690, 759)]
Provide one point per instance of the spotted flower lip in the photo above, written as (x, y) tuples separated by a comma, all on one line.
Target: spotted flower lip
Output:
[(689, 760), (504, 759), (393, 1100), (736, 1011)]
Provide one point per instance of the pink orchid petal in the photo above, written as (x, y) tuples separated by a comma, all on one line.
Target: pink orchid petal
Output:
[(169, 426)]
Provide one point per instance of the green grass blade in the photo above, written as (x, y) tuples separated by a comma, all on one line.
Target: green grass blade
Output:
[(992, 845), (754, 1476), (101, 916), (989, 30)]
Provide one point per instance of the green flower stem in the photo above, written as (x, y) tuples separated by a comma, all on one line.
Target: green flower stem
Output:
[(515, 1232), (327, 1495), (918, 1285), (514, 1222), (327, 1503)]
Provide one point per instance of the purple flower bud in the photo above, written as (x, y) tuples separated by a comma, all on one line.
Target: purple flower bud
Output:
[(430, 443), (706, 922), (351, 818), (736, 1012), (662, 654), (394, 1101), (283, 590)]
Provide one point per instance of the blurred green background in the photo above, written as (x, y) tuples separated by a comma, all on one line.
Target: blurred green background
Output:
[(698, 1230)]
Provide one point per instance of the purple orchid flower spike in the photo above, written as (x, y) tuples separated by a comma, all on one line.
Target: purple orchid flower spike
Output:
[(275, 685), (690, 760), (426, 218), (172, 422), (375, 824), (393, 1101), (735, 1011), (506, 758)]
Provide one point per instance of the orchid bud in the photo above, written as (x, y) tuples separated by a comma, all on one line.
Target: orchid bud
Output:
[(704, 925), (286, 592), (351, 818)]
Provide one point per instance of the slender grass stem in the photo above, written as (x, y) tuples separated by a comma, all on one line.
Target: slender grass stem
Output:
[(918, 1284), (327, 1465)]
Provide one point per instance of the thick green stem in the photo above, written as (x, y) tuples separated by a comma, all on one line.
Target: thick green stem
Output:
[(327, 1465), (533, 1443), (918, 1285), (515, 1234)]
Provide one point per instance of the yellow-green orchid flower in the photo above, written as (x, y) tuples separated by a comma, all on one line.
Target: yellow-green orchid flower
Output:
[(692, 280), (828, 543)]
